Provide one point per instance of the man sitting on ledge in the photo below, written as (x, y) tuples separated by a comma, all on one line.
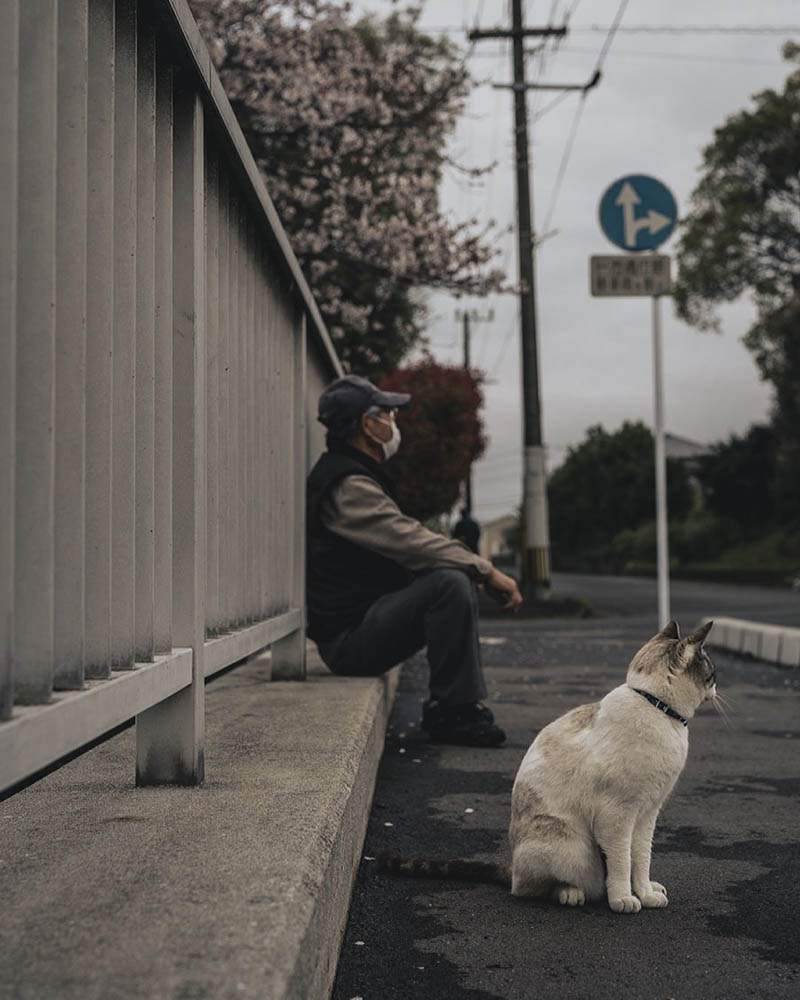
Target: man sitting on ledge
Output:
[(380, 584)]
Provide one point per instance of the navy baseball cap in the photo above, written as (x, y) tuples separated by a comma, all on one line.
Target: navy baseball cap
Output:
[(353, 395)]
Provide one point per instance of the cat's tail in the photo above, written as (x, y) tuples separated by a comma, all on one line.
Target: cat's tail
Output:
[(456, 869)]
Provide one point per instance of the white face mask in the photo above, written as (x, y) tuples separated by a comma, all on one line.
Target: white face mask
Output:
[(389, 447)]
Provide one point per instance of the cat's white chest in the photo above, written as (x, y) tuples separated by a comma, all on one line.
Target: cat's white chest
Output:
[(636, 747)]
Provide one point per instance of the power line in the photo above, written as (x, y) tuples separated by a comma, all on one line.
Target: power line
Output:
[(504, 347), (648, 54), (571, 10), (562, 169), (553, 104), (610, 36), (697, 29), (681, 56), (661, 29)]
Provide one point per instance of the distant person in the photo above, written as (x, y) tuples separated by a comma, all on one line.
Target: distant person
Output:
[(381, 586), (467, 530)]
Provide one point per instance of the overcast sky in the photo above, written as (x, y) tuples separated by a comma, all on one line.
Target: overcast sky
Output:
[(659, 100)]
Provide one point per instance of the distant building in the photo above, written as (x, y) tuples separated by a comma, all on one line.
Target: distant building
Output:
[(493, 541), (683, 449), (688, 453)]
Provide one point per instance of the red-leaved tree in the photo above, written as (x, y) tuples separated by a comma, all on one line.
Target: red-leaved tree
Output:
[(442, 434)]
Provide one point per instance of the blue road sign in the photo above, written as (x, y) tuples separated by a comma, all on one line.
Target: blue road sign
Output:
[(638, 212)]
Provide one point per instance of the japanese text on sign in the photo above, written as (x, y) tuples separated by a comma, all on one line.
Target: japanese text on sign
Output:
[(628, 275)]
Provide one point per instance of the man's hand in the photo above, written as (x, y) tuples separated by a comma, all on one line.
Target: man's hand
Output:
[(505, 589)]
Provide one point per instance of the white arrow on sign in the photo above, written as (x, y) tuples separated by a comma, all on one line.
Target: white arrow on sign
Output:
[(629, 199)]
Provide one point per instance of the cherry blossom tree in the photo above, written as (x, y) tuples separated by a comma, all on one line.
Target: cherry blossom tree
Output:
[(348, 121)]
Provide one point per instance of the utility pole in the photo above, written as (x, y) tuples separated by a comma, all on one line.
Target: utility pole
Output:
[(536, 538), (467, 363), (467, 316)]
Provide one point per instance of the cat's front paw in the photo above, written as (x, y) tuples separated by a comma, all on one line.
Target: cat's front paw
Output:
[(653, 900), (653, 895), (624, 904)]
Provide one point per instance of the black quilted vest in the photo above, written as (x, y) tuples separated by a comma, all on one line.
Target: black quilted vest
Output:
[(343, 579)]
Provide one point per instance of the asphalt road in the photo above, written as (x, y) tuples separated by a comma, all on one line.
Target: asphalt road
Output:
[(636, 597), (725, 847)]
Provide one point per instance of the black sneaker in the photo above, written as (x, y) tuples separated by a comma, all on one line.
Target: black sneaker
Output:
[(469, 725), (433, 711)]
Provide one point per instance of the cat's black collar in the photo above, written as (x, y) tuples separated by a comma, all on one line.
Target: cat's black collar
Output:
[(662, 706)]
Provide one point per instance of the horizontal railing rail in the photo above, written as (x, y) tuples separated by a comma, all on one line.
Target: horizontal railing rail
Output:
[(161, 356)]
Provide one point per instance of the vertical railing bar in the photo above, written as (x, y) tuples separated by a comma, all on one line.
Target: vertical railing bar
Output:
[(99, 328), (162, 588), (293, 439), (35, 351), (269, 339), (242, 412), (274, 327), (274, 478), (9, 138), (234, 402), (272, 395), (283, 481), (224, 532), (300, 385), (289, 655), (244, 322), (170, 736), (251, 494), (212, 413), (71, 204), (144, 479), (288, 346), (261, 397), (123, 456), (277, 458)]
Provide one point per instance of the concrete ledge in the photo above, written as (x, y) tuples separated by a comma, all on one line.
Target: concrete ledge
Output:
[(238, 889), (773, 643)]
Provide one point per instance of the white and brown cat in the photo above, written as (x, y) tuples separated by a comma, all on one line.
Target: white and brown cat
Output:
[(589, 789)]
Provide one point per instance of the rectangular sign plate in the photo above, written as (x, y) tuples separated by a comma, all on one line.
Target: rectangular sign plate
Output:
[(624, 274)]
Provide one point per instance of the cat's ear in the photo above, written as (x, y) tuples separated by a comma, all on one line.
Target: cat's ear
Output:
[(687, 647), (698, 637), (670, 631)]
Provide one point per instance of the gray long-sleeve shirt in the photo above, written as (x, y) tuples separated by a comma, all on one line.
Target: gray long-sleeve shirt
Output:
[(359, 510)]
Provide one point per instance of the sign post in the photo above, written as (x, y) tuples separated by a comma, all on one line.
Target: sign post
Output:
[(662, 541), (638, 213)]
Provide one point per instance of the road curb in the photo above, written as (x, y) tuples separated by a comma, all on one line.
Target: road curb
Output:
[(317, 952), (778, 644)]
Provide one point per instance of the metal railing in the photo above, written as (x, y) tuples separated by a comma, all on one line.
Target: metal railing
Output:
[(161, 353)]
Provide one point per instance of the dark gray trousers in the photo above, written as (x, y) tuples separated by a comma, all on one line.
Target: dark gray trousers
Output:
[(438, 610)]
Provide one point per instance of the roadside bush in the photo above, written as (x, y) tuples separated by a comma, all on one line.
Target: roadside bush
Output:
[(701, 537)]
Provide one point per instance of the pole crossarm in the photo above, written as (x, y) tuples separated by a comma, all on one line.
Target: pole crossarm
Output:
[(584, 87), (477, 35)]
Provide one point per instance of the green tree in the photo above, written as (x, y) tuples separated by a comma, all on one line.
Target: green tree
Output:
[(348, 120), (442, 435), (743, 234), (738, 480), (605, 486)]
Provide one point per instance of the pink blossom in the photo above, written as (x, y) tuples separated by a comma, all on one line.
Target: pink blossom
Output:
[(348, 121)]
